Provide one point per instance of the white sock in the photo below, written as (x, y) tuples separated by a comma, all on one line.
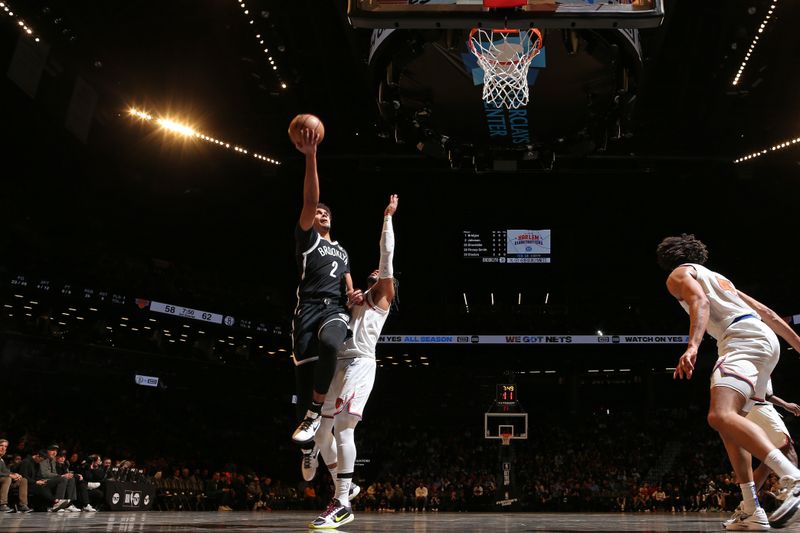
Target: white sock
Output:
[(781, 465), (343, 490), (749, 498), (333, 474)]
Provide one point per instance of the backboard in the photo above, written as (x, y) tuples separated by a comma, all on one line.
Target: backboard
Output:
[(424, 14), (514, 423)]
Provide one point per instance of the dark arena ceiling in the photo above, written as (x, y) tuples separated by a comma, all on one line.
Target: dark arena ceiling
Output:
[(621, 149)]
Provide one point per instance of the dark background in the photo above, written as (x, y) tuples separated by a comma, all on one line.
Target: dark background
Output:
[(142, 214)]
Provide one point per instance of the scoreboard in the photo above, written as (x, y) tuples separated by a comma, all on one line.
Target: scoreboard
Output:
[(507, 246)]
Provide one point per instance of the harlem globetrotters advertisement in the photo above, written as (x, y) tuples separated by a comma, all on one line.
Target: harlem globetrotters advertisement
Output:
[(528, 246)]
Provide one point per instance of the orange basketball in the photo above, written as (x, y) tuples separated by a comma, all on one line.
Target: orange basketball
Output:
[(300, 122)]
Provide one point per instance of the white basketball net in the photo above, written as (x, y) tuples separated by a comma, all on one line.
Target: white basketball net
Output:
[(505, 56)]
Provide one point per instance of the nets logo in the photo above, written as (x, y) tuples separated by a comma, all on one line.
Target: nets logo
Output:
[(476, 339), (132, 498)]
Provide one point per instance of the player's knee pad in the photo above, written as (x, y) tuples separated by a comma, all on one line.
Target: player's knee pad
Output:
[(325, 442), (331, 336), (345, 440)]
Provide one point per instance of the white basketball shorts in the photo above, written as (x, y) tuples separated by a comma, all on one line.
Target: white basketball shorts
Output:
[(747, 353), (765, 416), (350, 388)]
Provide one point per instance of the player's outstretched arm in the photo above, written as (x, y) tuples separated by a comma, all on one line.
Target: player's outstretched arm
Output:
[(384, 289), (788, 406), (308, 146), (683, 286), (771, 319)]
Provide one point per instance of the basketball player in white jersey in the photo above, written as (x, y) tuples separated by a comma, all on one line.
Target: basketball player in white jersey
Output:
[(765, 416), (353, 380), (748, 350)]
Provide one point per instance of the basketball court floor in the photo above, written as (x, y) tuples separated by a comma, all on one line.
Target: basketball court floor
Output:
[(247, 522)]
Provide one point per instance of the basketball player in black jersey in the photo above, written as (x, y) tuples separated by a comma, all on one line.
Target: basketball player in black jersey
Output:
[(319, 325)]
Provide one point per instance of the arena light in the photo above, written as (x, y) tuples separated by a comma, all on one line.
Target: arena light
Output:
[(20, 22), (753, 44), (179, 128), (774, 148), (260, 40), (176, 127)]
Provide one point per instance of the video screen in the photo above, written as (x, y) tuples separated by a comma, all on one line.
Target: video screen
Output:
[(508, 246)]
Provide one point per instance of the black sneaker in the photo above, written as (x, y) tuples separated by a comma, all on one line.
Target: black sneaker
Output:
[(6, 509), (24, 509), (334, 516)]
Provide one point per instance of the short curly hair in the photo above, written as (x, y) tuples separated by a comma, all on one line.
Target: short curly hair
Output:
[(675, 251)]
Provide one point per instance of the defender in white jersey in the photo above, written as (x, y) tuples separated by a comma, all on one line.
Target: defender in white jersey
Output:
[(765, 416), (353, 380), (748, 350)]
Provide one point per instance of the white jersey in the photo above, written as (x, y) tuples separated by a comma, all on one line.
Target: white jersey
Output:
[(366, 324), (725, 303)]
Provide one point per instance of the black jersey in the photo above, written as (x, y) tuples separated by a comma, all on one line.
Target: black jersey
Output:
[(322, 265)]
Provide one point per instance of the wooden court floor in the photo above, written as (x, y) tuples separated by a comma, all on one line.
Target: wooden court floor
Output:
[(264, 522)]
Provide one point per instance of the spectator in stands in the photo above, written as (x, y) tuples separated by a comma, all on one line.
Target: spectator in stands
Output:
[(421, 495), (107, 465), (52, 490), (65, 468), (94, 476), (10, 479), (48, 469), (218, 492)]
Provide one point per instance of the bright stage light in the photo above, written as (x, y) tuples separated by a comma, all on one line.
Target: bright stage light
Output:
[(176, 127), (187, 131)]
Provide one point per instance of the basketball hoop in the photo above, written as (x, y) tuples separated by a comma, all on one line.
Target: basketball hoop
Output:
[(506, 438), (505, 56)]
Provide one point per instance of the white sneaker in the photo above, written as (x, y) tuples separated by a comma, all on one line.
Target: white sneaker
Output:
[(355, 490), (787, 512), (59, 506), (72, 509), (749, 522), (334, 516), (736, 516), (89, 509), (309, 463), (308, 428)]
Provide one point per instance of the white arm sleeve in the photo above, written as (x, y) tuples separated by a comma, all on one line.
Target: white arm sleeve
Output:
[(387, 249)]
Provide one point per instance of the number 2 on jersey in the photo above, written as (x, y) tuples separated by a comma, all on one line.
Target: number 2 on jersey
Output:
[(334, 266)]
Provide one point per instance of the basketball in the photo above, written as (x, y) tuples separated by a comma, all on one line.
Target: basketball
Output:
[(301, 122)]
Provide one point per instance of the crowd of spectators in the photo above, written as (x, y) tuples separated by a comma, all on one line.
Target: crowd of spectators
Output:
[(594, 463)]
